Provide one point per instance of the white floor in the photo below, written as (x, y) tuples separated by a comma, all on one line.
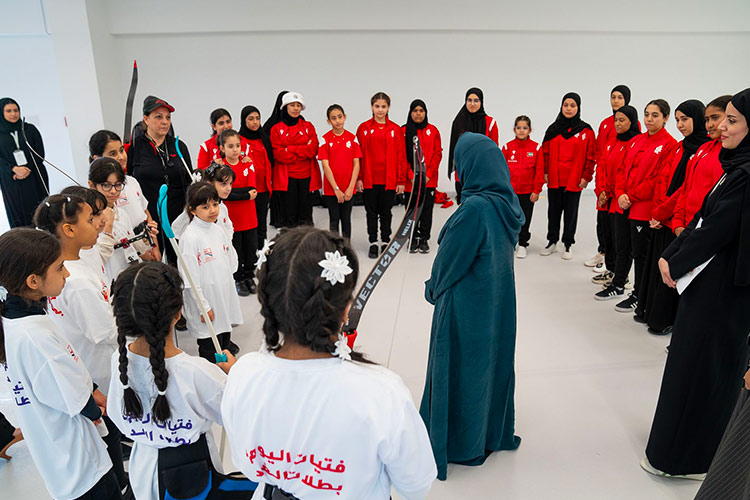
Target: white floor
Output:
[(587, 377)]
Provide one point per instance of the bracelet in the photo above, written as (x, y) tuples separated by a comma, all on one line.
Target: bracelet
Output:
[(336, 189)]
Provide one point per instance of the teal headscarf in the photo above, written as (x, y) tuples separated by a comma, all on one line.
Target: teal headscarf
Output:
[(482, 168)]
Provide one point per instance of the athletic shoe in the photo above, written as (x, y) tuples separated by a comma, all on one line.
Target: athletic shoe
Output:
[(603, 279), (548, 250), (567, 254), (181, 324), (628, 305), (242, 289), (666, 331), (424, 247), (599, 268), (373, 253), (250, 284), (595, 260), (640, 320), (646, 465), (521, 252), (233, 348), (414, 245), (609, 293)]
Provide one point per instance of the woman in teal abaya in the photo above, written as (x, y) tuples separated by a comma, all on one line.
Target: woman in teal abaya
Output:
[(467, 403)]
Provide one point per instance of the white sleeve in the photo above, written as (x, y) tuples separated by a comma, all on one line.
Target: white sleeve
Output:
[(92, 313), (63, 384), (180, 224), (106, 245), (234, 261), (190, 254), (210, 390)]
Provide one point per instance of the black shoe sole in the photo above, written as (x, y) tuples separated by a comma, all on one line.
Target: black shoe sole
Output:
[(638, 319)]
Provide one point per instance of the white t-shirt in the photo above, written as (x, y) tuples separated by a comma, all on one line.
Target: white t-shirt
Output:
[(194, 391), (211, 259), (132, 201), (183, 220), (84, 315), (51, 386), (320, 426)]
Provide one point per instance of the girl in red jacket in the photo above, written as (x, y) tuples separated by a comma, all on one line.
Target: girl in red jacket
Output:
[(429, 139), (634, 190), (704, 170), (382, 172), (471, 118), (209, 151), (296, 172), (526, 175), (339, 153), (657, 303), (568, 152), (261, 153)]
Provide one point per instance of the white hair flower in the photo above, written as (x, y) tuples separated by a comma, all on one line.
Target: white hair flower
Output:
[(335, 267), (3, 293), (343, 350), (262, 254)]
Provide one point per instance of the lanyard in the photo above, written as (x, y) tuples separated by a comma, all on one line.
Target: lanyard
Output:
[(14, 135)]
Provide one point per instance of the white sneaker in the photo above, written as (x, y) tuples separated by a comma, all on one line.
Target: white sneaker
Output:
[(599, 268), (567, 254), (593, 261), (548, 250), (521, 253), (646, 465)]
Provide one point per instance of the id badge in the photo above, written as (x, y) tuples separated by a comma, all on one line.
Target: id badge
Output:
[(20, 157)]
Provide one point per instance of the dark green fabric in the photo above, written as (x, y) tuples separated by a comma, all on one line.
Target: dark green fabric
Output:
[(467, 403)]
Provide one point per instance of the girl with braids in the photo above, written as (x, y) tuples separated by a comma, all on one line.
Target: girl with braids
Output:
[(82, 311), (47, 376), (163, 399), (99, 254), (211, 261), (307, 393)]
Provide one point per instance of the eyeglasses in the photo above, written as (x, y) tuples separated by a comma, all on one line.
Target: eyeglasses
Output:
[(108, 187)]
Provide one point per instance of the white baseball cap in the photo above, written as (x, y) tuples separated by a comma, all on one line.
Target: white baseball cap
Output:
[(291, 97)]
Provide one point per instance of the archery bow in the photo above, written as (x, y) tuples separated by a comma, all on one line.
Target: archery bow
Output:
[(127, 135)]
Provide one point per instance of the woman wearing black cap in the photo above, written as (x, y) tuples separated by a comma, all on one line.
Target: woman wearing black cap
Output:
[(156, 158), (708, 353), (261, 153), (23, 177), (568, 151), (471, 118), (657, 303)]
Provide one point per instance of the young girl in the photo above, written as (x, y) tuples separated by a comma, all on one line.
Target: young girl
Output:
[(240, 204), (382, 173), (296, 172), (107, 177), (163, 399), (306, 389), (339, 153), (261, 153), (98, 255), (568, 153), (211, 259), (47, 377), (209, 151), (526, 175)]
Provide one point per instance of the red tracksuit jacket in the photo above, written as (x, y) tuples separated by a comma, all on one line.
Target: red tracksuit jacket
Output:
[(294, 150), (701, 175), (340, 151), (609, 167), (432, 148), (526, 166), (263, 174), (642, 164), (605, 141), (567, 161), (663, 206), (395, 173), (209, 151), (242, 212)]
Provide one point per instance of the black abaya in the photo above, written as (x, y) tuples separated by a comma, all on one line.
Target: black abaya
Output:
[(21, 197), (657, 303)]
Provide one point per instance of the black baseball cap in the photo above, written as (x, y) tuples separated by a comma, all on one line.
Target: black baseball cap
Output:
[(150, 103)]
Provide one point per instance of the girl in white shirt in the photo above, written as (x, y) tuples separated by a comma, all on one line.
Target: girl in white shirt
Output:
[(306, 416), (211, 260), (163, 399), (47, 378)]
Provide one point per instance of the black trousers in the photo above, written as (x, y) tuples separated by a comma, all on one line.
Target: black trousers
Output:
[(261, 208), (623, 253), (562, 204), (113, 440), (206, 349), (378, 204), (528, 210), (423, 229), (606, 236), (245, 243), (640, 236), (339, 213), (297, 205), (105, 489)]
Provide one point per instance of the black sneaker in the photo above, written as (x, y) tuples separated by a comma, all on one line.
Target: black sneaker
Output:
[(666, 331), (373, 253), (181, 324), (628, 305), (233, 348), (383, 247), (604, 278), (242, 289), (414, 245), (250, 284), (424, 247), (611, 292), (639, 319)]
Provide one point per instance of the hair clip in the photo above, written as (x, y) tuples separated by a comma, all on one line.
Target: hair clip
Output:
[(162, 393), (3, 293), (263, 253), (68, 199), (47, 203), (343, 350), (335, 267), (125, 386)]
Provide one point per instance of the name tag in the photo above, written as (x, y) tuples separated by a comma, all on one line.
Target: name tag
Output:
[(20, 157)]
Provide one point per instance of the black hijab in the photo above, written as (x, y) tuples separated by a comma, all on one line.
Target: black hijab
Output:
[(466, 121), (258, 134), (5, 125), (287, 118), (632, 115), (625, 91), (411, 128), (275, 114), (567, 127), (694, 109), (739, 156)]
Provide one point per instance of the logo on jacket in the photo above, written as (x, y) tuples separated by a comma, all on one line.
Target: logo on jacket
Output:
[(349, 144), (583, 137), (530, 154), (658, 149), (429, 132), (208, 253), (246, 172), (392, 133)]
